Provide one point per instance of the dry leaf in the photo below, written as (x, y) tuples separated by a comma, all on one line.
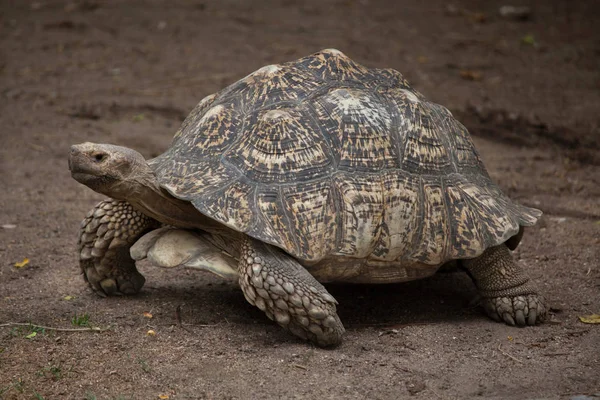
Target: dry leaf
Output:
[(147, 315), (470, 75), (22, 263), (590, 319), (68, 298), (163, 396)]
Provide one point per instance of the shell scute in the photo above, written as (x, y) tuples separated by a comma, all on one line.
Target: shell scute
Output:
[(431, 247), (272, 225), (232, 206), (361, 213), (311, 213), (271, 85), (402, 216), (358, 126), (280, 146)]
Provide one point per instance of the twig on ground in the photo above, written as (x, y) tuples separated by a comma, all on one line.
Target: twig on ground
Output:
[(508, 355), (50, 328)]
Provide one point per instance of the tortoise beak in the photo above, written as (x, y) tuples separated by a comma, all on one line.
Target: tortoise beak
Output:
[(80, 161), (74, 154), (74, 151)]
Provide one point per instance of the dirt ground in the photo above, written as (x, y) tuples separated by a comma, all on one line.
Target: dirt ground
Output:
[(128, 72)]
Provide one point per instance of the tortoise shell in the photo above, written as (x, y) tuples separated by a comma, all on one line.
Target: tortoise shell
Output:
[(328, 159)]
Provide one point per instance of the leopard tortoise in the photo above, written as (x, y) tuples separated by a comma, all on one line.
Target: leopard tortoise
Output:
[(315, 170)]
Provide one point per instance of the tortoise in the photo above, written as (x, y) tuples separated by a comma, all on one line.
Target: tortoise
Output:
[(311, 171)]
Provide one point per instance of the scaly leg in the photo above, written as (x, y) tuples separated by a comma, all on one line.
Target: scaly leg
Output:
[(282, 288), (508, 294), (107, 233)]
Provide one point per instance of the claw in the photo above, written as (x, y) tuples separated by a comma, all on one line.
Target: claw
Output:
[(509, 319), (93, 283), (109, 286), (520, 318), (532, 317), (519, 310), (97, 290)]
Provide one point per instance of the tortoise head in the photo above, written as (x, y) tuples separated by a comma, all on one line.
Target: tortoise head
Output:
[(118, 172)]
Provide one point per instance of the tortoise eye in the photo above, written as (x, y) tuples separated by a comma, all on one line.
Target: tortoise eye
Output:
[(99, 157)]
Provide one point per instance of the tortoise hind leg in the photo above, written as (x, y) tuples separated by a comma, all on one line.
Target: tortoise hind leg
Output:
[(507, 292), (106, 234), (278, 285)]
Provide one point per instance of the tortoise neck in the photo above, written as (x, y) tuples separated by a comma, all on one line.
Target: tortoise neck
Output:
[(140, 182)]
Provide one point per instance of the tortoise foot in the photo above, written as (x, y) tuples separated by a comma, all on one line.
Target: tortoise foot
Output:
[(518, 310), (107, 233), (289, 295), (508, 293), (110, 281)]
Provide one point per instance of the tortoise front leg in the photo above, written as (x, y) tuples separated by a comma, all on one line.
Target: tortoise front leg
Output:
[(107, 233), (282, 288), (508, 294)]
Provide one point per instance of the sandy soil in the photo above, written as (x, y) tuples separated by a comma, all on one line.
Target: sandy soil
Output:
[(127, 72)]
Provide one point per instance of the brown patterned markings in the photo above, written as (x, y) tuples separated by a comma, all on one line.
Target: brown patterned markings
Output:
[(195, 114), (440, 111), (233, 205), (388, 78), (361, 213), (358, 127), (311, 212), (190, 167), (332, 65), (431, 247), (402, 216), (495, 215), (263, 73), (463, 148), (527, 216), (399, 92), (424, 150), (190, 179), (273, 226), (281, 145), (216, 130), (467, 241), (270, 85)]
